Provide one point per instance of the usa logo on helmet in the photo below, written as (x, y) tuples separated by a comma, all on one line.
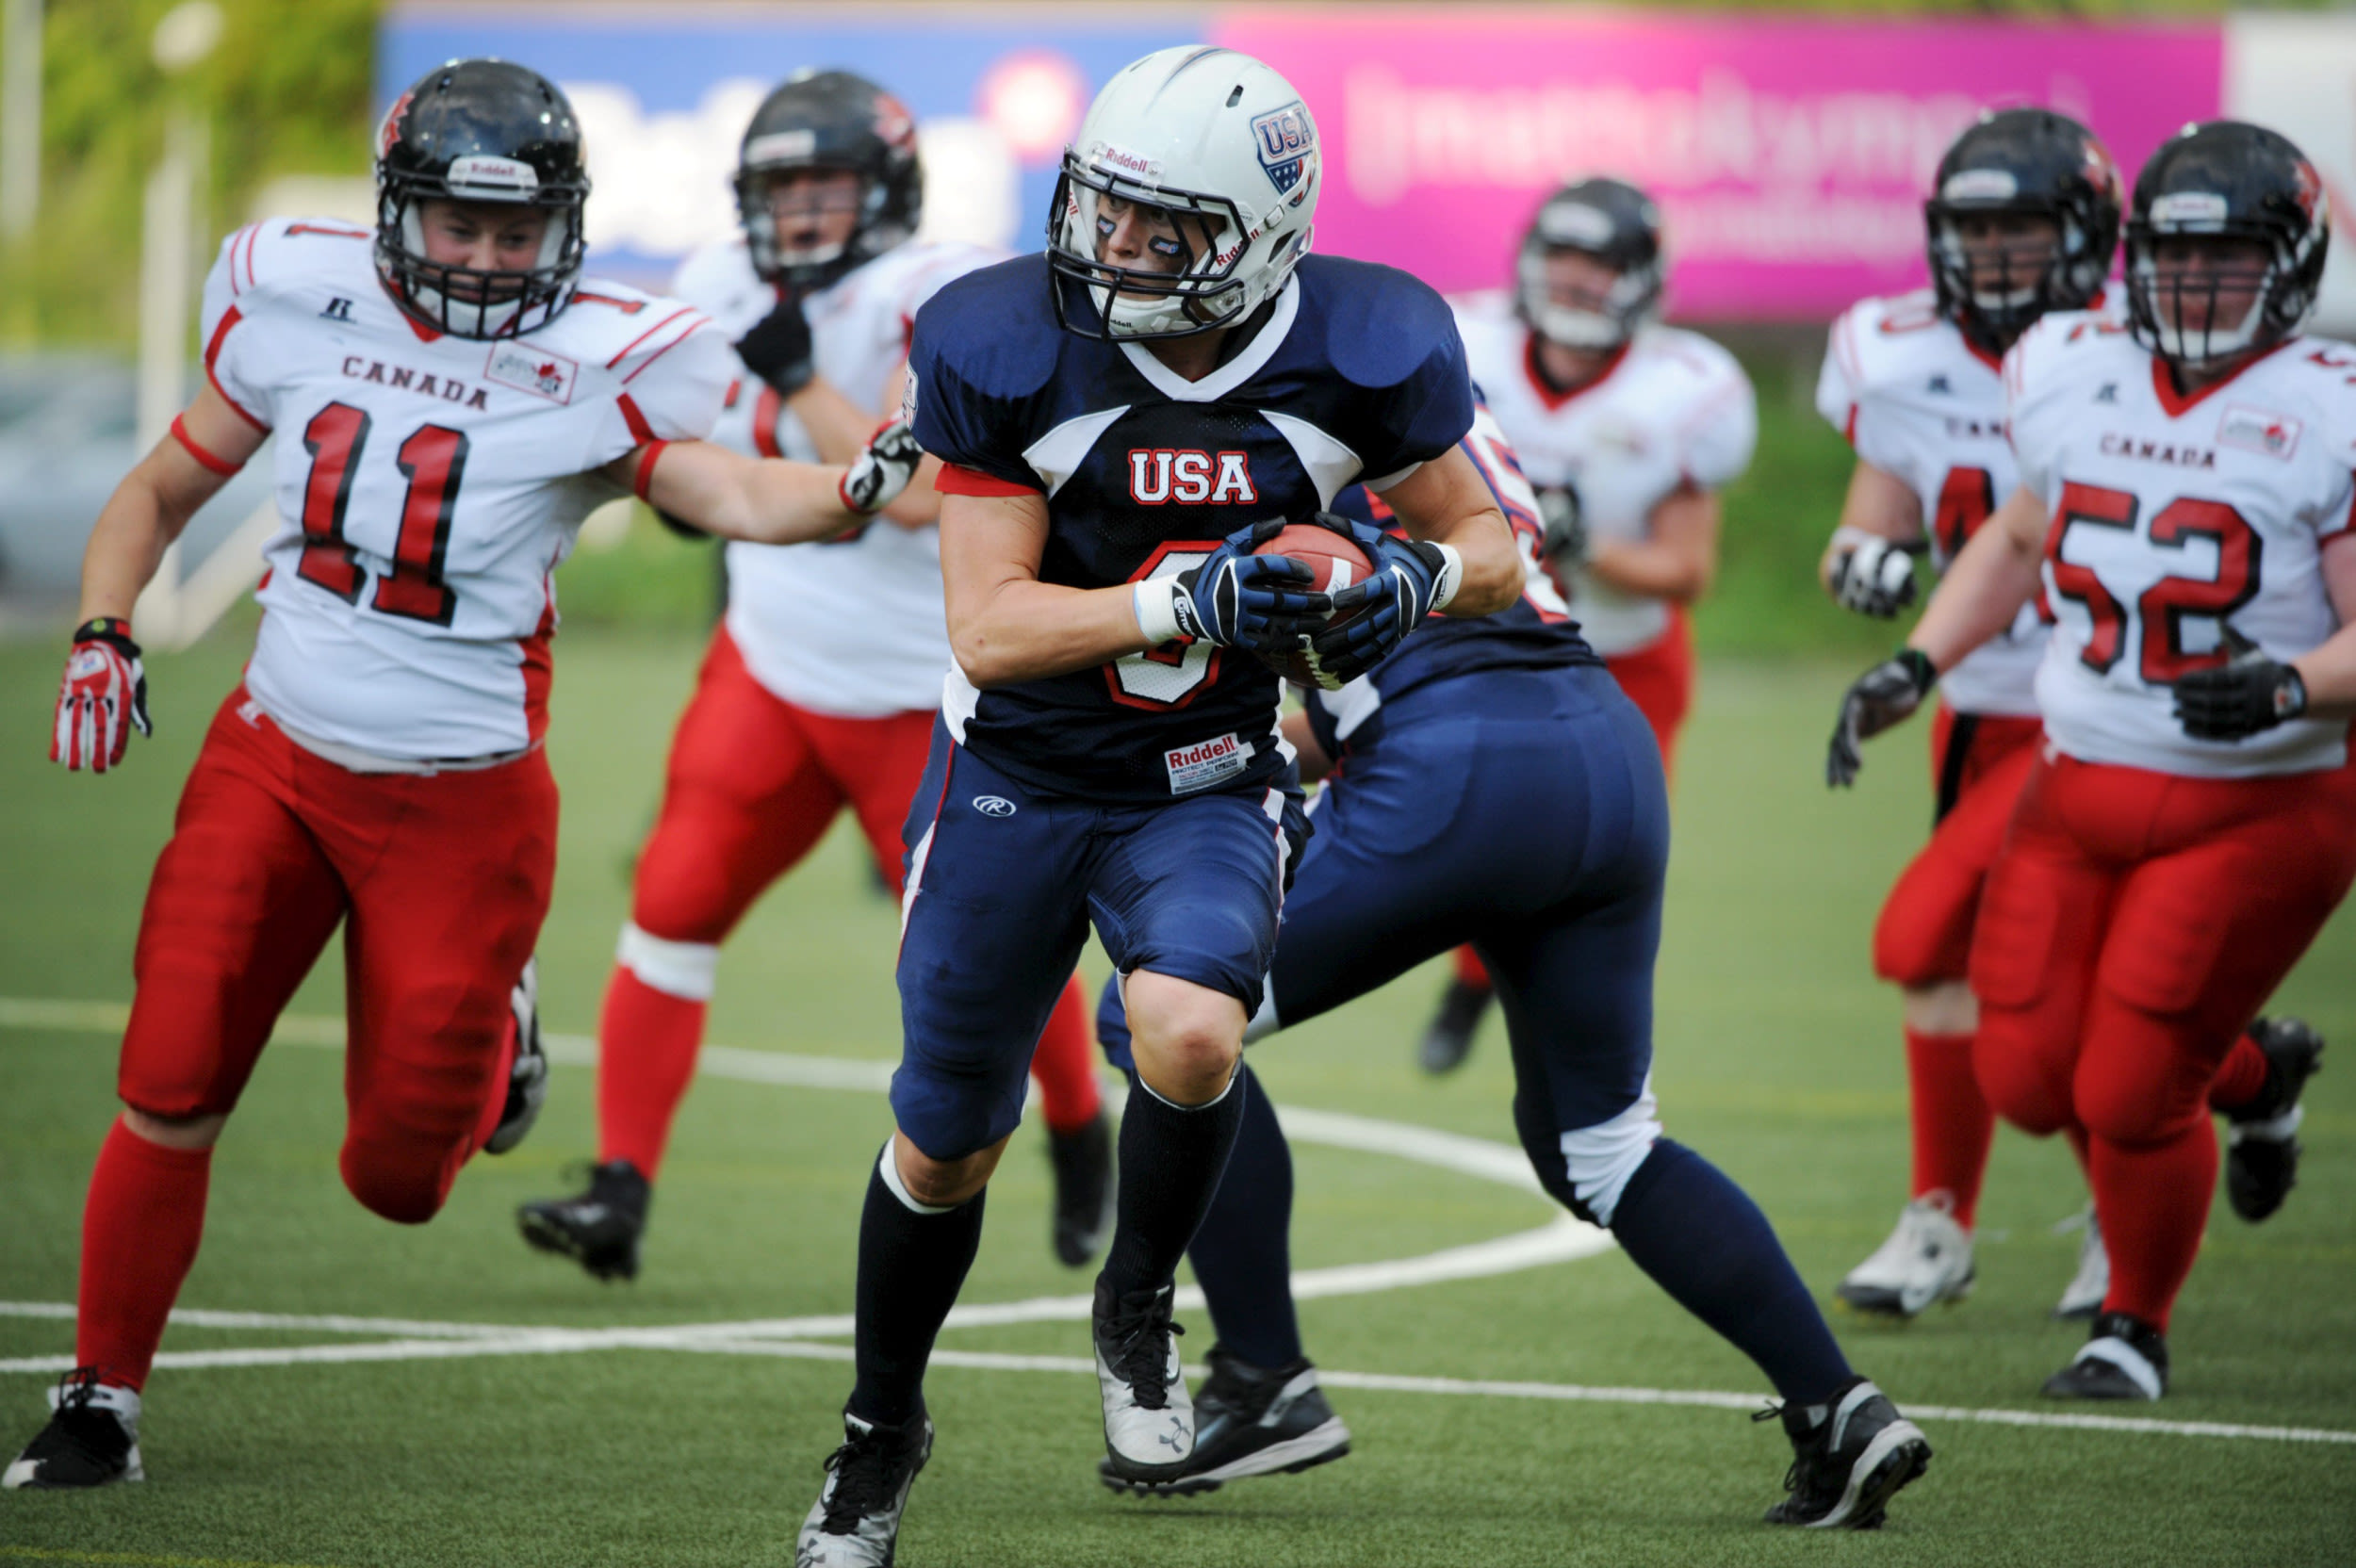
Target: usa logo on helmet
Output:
[(1287, 140)]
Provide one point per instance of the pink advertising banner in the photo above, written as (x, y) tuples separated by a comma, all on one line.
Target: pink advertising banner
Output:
[(1790, 156)]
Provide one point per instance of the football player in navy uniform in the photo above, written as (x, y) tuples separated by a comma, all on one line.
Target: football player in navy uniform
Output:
[(1122, 420), (1491, 783)]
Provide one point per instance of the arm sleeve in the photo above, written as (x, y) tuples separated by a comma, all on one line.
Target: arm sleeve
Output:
[(964, 426), (228, 331), (1722, 434), (1423, 414)]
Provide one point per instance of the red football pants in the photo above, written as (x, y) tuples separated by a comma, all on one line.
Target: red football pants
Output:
[(441, 881), (1659, 678), (1978, 762), (2135, 922)]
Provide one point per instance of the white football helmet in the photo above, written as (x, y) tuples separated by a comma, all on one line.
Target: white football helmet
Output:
[(1194, 130)]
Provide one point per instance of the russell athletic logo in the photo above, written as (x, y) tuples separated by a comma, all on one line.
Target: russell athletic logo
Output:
[(1158, 476), (993, 805)]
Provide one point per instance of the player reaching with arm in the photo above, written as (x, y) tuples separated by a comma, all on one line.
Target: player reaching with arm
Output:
[(1118, 419), (821, 685), (1490, 783), (453, 400), (2190, 820), (1629, 430)]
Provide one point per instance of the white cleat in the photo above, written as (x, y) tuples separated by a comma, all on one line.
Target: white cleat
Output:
[(1149, 1417), (2084, 1297), (1926, 1259), (855, 1521)]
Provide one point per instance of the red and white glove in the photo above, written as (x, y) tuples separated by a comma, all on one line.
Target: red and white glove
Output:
[(883, 470), (103, 696)]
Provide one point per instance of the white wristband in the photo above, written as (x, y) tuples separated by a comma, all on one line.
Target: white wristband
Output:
[(1451, 579), (1155, 602)]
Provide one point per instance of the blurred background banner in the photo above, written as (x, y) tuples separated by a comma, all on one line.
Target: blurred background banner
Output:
[(1790, 156)]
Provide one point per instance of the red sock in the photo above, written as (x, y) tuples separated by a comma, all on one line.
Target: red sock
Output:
[(1065, 1064), (1952, 1124), (647, 1046), (495, 1104), (2242, 1076), (1470, 971), (140, 1226), (2154, 1200)]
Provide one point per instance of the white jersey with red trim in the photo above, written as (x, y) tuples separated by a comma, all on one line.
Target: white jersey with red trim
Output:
[(1919, 403), (428, 485), (2171, 516), (1672, 409), (852, 627)]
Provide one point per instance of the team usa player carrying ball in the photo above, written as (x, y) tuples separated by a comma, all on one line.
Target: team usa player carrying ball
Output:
[(2189, 821), (1122, 420), (451, 399)]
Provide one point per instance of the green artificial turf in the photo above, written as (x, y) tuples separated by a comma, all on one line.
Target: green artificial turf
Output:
[(1778, 1056)]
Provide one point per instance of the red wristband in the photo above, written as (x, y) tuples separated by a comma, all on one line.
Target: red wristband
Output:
[(644, 475), (219, 465)]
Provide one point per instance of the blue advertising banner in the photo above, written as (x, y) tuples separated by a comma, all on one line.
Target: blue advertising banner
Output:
[(664, 94)]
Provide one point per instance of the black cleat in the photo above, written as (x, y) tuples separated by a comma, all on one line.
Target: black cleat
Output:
[(855, 1521), (1849, 1456), (92, 1438), (1449, 1039), (2126, 1359), (1083, 1162), (601, 1229), (2262, 1142), (527, 1079), (1248, 1421)]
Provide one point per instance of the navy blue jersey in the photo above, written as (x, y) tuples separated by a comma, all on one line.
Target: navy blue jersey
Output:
[(1358, 374), (1535, 632)]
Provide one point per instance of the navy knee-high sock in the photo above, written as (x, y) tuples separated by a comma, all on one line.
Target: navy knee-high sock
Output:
[(1704, 1241), (1243, 1252), (911, 1265), (1171, 1160)]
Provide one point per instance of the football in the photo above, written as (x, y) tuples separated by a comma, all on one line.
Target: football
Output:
[(1334, 561)]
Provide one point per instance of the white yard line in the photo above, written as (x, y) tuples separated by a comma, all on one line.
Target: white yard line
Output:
[(1563, 1238)]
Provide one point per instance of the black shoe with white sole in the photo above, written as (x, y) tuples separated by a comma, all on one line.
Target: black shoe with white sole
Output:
[(601, 1229), (1849, 1456), (855, 1521), (92, 1438), (2126, 1359), (1248, 1421), (1083, 1162), (528, 1078), (2262, 1142)]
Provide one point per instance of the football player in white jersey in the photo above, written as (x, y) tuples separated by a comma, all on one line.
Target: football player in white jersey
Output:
[(821, 686), (1629, 429), (454, 400), (2186, 497)]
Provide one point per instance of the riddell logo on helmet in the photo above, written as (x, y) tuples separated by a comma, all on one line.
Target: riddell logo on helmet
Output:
[(1158, 476)]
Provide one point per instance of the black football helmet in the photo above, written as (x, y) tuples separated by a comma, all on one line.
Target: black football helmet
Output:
[(830, 120), (481, 130), (1618, 225), (2031, 162), (2235, 181)]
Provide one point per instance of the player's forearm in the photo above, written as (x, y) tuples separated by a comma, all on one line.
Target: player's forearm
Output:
[(1653, 568), (137, 525), (1981, 594), (1879, 505), (1025, 629), (1494, 573), (764, 501), (2328, 671)]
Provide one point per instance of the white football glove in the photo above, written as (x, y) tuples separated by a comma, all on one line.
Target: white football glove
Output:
[(1870, 575), (883, 470)]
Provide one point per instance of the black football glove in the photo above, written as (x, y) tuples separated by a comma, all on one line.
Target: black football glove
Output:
[(1882, 696), (778, 349), (1870, 575), (2246, 694), (1564, 546), (1236, 598)]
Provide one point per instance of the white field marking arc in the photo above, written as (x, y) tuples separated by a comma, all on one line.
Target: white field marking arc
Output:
[(426, 1340)]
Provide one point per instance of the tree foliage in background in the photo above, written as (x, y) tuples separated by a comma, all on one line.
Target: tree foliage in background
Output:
[(286, 91)]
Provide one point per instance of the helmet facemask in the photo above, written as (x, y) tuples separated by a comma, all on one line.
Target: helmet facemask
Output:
[(1210, 238), (1995, 289), (469, 301), (1615, 227), (1624, 307), (817, 266), (2181, 313)]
